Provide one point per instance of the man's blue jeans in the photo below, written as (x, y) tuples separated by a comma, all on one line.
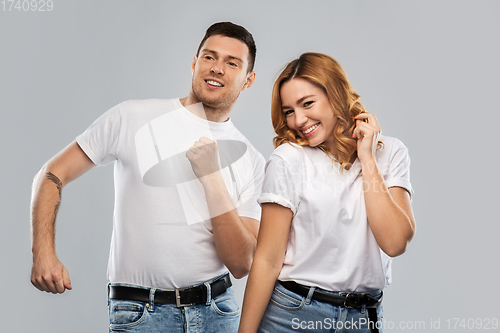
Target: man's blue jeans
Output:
[(217, 315), (290, 312)]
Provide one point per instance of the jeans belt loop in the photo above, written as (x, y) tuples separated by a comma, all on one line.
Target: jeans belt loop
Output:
[(109, 293), (310, 295), (151, 304), (209, 292)]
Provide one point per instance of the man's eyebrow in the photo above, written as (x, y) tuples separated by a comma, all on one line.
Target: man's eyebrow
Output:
[(208, 50), (215, 53)]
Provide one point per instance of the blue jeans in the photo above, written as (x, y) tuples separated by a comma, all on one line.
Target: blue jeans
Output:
[(290, 312), (217, 315)]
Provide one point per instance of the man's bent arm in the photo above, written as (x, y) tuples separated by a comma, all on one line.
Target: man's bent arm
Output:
[(235, 237), (48, 273)]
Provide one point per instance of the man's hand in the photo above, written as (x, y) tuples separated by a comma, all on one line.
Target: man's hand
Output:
[(204, 157), (49, 274)]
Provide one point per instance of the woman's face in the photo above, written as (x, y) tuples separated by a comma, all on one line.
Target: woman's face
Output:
[(308, 112)]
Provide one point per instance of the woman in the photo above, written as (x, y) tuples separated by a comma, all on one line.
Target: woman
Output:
[(335, 208)]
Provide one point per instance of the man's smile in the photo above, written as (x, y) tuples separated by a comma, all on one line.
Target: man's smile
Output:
[(214, 83)]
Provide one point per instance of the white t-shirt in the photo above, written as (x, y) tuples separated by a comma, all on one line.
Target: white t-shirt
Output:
[(331, 245), (162, 233)]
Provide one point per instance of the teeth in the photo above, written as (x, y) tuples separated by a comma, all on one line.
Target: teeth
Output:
[(310, 129), (214, 83)]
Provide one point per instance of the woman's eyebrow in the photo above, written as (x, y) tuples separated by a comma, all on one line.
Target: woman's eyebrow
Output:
[(303, 98)]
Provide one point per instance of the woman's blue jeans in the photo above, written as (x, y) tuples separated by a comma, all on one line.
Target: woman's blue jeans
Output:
[(290, 312)]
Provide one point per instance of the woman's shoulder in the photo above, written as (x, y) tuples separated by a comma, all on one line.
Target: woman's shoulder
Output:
[(391, 146), (290, 152), (391, 141)]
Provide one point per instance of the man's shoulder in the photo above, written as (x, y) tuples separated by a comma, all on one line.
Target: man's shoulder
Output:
[(148, 104)]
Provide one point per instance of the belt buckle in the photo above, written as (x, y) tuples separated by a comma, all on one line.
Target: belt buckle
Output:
[(345, 301), (178, 298)]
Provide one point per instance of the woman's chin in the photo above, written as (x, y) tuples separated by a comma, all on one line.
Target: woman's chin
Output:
[(313, 143)]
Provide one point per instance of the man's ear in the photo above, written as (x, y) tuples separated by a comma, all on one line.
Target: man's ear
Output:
[(250, 80), (193, 64)]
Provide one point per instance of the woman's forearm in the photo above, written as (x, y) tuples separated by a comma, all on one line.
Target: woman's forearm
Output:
[(258, 291), (392, 226)]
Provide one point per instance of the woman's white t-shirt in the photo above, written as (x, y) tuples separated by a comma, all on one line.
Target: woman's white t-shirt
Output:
[(331, 245)]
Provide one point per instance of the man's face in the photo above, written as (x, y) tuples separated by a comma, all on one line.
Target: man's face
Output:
[(220, 72)]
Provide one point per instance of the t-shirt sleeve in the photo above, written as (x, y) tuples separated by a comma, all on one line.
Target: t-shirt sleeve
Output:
[(280, 184), (247, 203), (399, 169), (100, 140)]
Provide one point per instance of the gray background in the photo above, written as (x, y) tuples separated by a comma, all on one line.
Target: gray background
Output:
[(428, 69)]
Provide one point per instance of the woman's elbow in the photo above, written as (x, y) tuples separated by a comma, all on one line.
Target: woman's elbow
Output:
[(395, 250)]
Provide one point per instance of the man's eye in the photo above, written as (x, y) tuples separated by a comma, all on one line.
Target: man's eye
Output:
[(232, 64), (208, 57)]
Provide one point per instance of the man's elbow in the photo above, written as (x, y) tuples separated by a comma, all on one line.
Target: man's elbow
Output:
[(239, 274), (41, 172), (240, 271)]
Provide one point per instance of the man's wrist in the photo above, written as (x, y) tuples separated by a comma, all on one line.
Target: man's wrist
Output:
[(43, 252), (212, 180)]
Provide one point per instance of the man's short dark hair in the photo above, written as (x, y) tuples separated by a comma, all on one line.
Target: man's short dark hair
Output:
[(229, 29)]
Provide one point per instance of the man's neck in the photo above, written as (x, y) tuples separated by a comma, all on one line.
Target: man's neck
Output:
[(192, 104)]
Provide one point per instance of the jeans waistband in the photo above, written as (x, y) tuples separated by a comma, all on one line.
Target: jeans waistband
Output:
[(180, 296)]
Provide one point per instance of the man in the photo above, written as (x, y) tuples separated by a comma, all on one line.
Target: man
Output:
[(185, 207)]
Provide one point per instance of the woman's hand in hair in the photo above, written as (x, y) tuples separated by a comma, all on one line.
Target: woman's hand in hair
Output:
[(367, 132)]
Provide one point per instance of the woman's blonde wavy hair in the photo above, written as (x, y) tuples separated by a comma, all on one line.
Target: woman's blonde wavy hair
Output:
[(326, 73)]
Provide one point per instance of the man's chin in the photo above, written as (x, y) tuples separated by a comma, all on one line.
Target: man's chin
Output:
[(214, 100), (215, 103)]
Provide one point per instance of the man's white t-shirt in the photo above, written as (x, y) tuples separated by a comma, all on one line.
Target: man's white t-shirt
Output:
[(162, 233), (331, 245)]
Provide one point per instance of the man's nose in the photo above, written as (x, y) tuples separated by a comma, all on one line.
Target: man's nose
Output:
[(217, 68)]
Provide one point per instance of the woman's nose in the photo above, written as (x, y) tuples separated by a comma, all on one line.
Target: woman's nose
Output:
[(300, 118)]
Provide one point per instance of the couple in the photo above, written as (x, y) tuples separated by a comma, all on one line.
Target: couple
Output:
[(335, 202)]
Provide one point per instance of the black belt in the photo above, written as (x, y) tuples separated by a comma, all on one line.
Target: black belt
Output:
[(350, 300), (180, 296)]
